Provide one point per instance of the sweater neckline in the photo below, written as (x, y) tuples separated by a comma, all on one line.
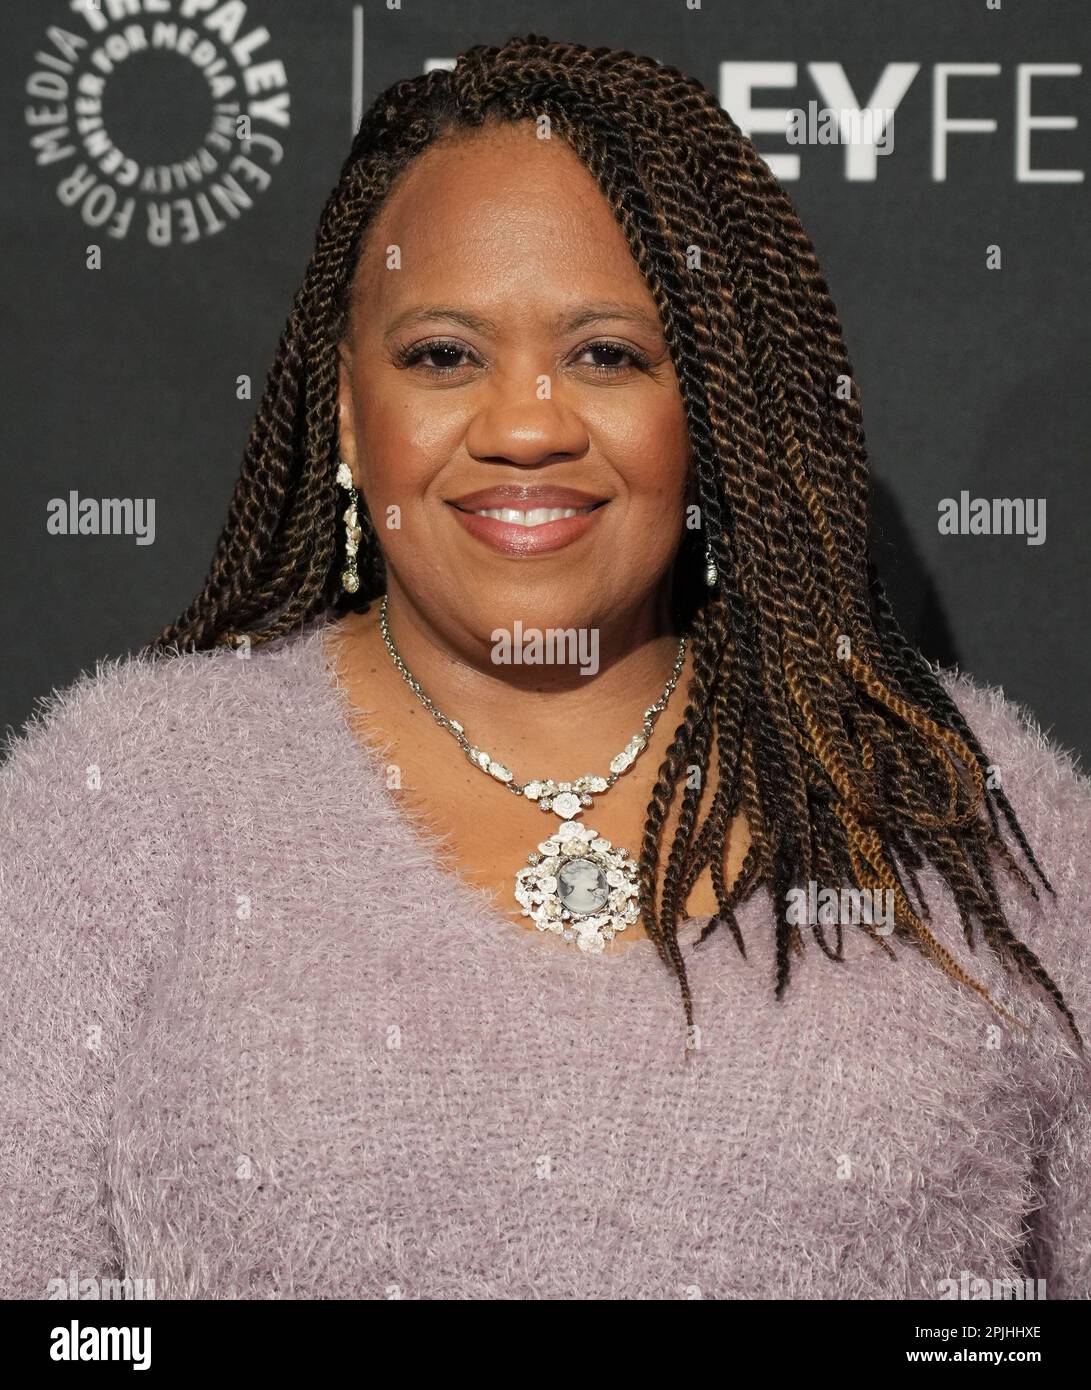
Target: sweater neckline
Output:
[(359, 752)]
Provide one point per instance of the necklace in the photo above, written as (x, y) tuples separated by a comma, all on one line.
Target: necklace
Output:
[(576, 883)]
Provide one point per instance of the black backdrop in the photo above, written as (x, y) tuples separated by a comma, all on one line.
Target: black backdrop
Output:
[(122, 380)]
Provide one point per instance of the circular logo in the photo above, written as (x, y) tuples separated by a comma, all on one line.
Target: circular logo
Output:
[(161, 118)]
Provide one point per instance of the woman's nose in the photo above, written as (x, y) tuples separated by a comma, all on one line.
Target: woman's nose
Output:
[(520, 427)]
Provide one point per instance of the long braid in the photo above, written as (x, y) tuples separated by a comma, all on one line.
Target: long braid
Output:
[(834, 739)]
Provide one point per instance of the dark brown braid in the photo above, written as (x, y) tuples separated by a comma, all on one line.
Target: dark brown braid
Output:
[(833, 737)]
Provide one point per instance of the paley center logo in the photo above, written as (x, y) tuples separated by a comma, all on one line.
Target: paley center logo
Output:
[(197, 103)]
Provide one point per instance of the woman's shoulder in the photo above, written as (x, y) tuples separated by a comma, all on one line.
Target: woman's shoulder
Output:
[(1034, 770), (1050, 796), (117, 758), (154, 709)]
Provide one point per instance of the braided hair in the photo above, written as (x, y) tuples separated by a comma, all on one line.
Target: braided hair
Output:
[(833, 735)]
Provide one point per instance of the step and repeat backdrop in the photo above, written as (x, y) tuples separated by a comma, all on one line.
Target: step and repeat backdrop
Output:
[(150, 262)]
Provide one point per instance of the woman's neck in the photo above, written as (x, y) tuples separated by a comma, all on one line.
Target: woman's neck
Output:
[(540, 716)]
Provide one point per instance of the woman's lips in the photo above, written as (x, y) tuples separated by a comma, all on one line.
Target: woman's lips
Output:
[(511, 538)]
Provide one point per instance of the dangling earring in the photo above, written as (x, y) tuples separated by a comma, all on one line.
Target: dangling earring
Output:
[(711, 576), (350, 579)]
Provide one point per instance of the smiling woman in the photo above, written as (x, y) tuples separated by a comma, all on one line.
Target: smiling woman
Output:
[(359, 973)]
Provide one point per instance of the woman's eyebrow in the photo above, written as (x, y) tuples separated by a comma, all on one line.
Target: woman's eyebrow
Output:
[(606, 309), (566, 322)]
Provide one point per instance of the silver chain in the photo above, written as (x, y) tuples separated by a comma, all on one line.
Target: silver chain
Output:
[(580, 786)]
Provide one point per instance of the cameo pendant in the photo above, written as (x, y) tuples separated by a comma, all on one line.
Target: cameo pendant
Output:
[(578, 885)]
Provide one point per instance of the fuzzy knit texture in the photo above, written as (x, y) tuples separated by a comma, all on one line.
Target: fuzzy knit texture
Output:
[(261, 1041)]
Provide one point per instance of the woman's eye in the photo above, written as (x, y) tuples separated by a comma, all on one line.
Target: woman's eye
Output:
[(442, 357), (615, 350), (446, 353)]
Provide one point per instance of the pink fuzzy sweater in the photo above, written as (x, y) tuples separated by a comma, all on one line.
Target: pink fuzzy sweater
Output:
[(258, 1042)]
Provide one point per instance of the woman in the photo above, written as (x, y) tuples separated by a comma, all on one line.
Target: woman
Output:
[(560, 459)]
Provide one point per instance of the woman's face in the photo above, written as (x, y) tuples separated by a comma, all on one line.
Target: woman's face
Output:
[(502, 336)]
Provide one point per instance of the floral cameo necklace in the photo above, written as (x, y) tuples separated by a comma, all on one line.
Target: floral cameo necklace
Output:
[(576, 883)]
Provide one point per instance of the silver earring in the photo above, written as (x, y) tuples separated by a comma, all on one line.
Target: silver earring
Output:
[(350, 579), (711, 576)]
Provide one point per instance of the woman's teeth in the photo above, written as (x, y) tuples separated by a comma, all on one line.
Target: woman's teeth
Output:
[(536, 517)]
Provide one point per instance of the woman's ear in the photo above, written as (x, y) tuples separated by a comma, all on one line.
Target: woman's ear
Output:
[(346, 418)]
